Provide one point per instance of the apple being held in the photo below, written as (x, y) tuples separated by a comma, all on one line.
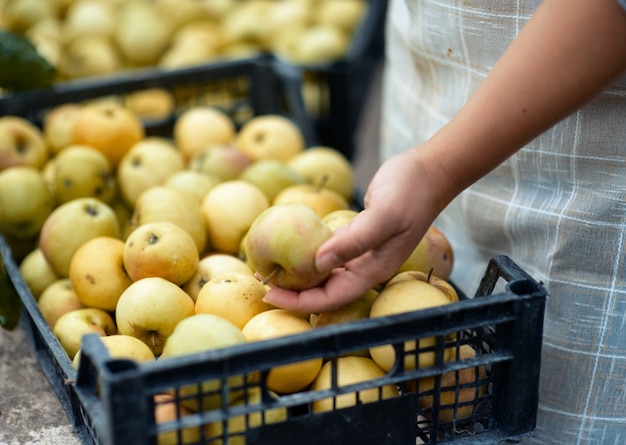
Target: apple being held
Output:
[(25, 202), (281, 246), (21, 143), (72, 224), (150, 308)]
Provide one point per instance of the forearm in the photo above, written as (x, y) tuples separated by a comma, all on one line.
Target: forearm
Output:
[(568, 52)]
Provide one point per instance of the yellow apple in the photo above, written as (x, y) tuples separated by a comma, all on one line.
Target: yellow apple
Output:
[(151, 103), (319, 43), (433, 254), (407, 296), (322, 200), (440, 284), (349, 371), (346, 15), (194, 183), (235, 296), (224, 161), (212, 265), (166, 409), (109, 127), (339, 218), (161, 249), (123, 346), (88, 18), (229, 210), (150, 308), (270, 137), (199, 333), (149, 162), (271, 176), (57, 299), (72, 224), (71, 326), (89, 56), (21, 143), (36, 272), (82, 171), (58, 126), (200, 127), (281, 245), (325, 165), (97, 272), (276, 323), (25, 202)]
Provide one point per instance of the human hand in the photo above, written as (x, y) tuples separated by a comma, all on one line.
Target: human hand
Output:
[(400, 205)]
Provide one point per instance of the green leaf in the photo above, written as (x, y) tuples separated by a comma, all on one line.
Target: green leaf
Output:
[(21, 66), (10, 304)]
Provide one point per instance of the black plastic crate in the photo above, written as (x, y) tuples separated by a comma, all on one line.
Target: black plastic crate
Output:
[(110, 401), (345, 83)]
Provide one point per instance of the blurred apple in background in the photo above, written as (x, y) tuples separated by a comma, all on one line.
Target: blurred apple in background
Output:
[(229, 209), (82, 171), (194, 183), (57, 299), (21, 143), (88, 18), (25, 202), (224, 161), (71, 326), (199, 333), (212, 265), (160, 203), (161, 249), (235, 296), (58, 126), (271, 176), (281, 246), (200, 127), (72, 224), (270, 137), (97, 272), (36, 272), (109, 127), (89, 56), (151, 103), (325, 165), (322, 200), (150, 308), (149, 162), (167, 409)]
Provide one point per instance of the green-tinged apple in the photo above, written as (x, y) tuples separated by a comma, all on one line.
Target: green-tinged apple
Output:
[(339, 218), (71, 326), (160, 203), (36, 272), (212, 265), (199, 333), (325, 165), (123, 346), (109, 127), (58, 126), (234, 296), (161, 249), (319, 198), (57, 299), (407, 296), (318, 44), (148, 163), (271, 176), (89, 56), (275, 323), (72, 224), (25, 202), (229, 209), (433, 254), (224, 161), (88, 18), (150, 308), (21, 143), (97, 272), (200, 127), (349, 371), (82, 171), (270, 137), (281, 246), (429, 278), (194, 183)]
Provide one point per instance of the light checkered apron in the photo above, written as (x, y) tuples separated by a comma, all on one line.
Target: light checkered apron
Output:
[(557, 207)]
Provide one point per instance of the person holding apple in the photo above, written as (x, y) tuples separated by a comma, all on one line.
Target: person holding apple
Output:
[(515, 115)]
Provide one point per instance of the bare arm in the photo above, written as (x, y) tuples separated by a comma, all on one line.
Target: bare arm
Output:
[(568, 52)]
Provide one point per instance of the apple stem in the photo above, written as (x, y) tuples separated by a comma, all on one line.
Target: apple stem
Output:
[(322, 182), (430, 273), (271, 275)]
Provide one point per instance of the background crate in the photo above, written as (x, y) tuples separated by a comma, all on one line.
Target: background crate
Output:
[(110, 401), (343, 85)]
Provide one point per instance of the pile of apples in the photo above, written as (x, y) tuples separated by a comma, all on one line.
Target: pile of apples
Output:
[(85, 38), (166, 246)]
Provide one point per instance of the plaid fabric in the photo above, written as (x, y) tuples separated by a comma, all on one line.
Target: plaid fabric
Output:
[(557, 207)]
